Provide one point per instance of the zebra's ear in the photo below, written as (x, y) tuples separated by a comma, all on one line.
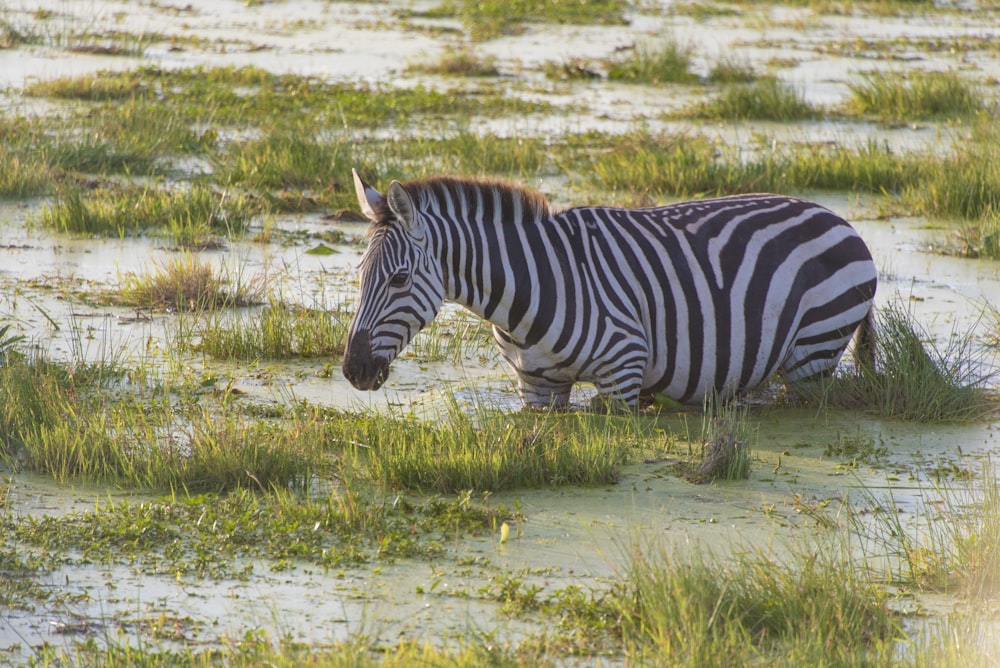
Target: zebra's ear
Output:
[(368, 197), (402, 206)]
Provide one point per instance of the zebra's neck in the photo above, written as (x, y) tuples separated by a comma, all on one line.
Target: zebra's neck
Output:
[(486, 237)]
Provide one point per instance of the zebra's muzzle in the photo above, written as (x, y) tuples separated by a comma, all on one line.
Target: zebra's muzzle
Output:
[(364, 370)]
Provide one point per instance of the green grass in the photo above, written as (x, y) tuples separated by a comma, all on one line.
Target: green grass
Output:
[(276, 331), (8, 341), (24, 172), (107, 423), (731, 71), (293, 167), (101, 87), (254, 649), (991, 313), (227, 97), (850, 7), (297, 169), (765, 99), (809, 607), (963, 185), (645, 165), (135, 140), (492, 452), (669, 62), (470, 153), (980, 239), (915, 96)]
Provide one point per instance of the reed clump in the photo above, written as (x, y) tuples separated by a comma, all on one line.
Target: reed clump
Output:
[(912, 379), (186, 284)]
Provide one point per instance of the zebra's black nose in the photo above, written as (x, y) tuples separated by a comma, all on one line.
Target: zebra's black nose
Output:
[(362, 369)]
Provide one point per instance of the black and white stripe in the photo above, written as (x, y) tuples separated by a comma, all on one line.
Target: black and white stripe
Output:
[(684, 300)]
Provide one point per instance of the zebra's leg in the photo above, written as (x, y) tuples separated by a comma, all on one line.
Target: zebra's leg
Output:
[(538, 389), (543, 396), (810, 369), (618, 394)]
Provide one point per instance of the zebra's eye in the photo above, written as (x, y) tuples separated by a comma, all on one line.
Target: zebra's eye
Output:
[(400, 279)]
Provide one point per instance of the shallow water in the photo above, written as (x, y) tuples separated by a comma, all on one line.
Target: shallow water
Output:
[(571, 535)]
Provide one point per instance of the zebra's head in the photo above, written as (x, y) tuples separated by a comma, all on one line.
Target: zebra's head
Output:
[(401, 287)]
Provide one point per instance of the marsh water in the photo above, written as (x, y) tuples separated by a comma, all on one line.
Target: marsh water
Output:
[(569, 535)]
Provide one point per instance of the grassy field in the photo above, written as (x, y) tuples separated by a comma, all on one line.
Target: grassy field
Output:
[(189, 475)]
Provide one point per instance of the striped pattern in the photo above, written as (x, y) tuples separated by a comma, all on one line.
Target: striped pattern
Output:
[(684, 300)]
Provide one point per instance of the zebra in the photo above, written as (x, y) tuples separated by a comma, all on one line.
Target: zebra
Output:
[(689, 300)]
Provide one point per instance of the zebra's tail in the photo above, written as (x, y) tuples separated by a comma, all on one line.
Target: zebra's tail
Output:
[(865, 343)]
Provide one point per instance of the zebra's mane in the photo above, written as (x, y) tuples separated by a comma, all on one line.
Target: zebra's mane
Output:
[(470, 195)]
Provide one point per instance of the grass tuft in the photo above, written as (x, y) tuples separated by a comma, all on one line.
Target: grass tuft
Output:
[(732, 71), (8, 341), (458, 63), (105, 423), (915, 96), (668, 62), (964, 185), (981, 239), (727, 436), (186, 284), (765, 99), (912, 379), (489, 19)]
